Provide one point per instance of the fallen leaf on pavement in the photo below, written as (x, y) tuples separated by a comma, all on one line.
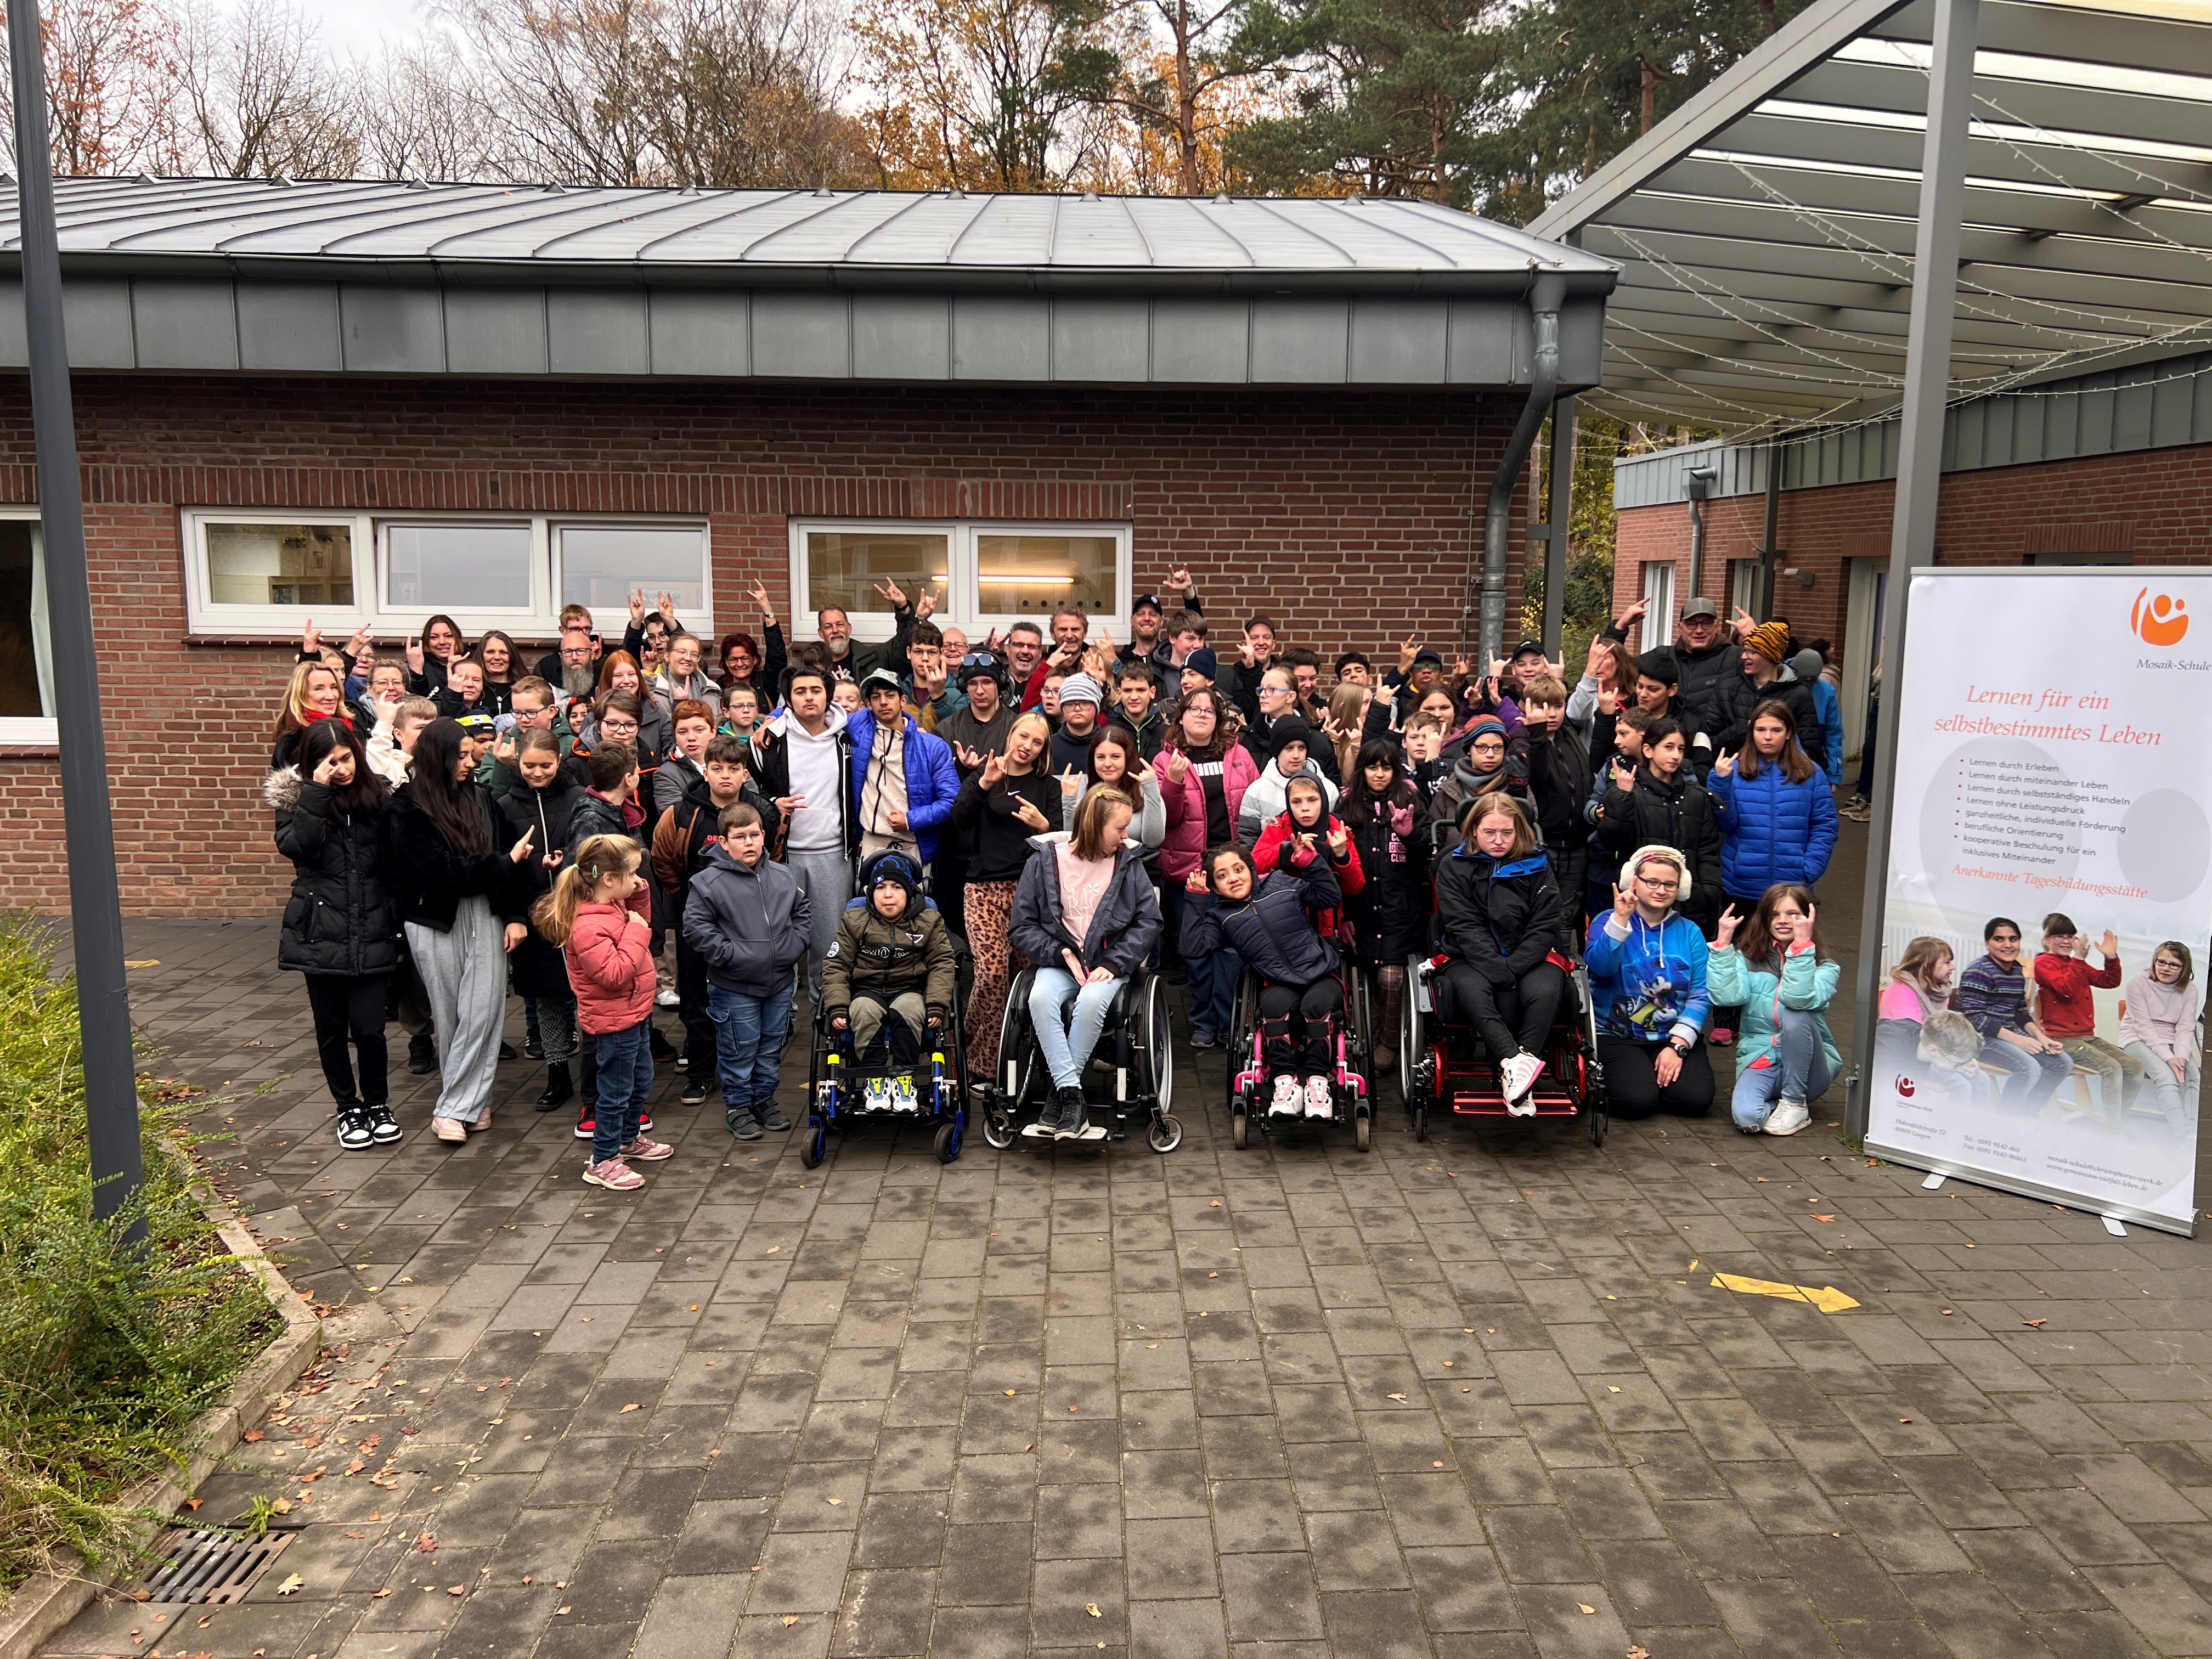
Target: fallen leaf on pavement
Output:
[(632, 1407), (1009, 1394), (1091, 1607), (291, 1586), (836, 1502), (426, 1542), (357, 1465), (357, 1534), (1639, 1652), (1394, 1396), (456, 1590), (789, 1619), (254, 1434), (1586, 1606), (1824, 1218), (2036, 1323), (381, 1594)]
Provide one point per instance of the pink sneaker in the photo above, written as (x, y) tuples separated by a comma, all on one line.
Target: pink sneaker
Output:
[(614, 1175), (643, 1151)]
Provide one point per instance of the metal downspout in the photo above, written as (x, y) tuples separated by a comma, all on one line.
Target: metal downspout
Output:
[(1545, 296)]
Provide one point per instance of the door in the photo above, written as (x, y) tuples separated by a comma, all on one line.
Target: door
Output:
[(1869, 583)]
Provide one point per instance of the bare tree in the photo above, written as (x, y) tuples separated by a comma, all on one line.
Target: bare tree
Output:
[(746, 94), (565, 85), (424, 114), (261, 98), (111, 85)]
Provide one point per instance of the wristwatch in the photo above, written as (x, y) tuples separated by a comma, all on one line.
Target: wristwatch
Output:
[(1678, 1045)]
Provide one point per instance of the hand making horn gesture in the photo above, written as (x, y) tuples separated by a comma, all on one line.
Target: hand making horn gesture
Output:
[(994, 769), (760, 599), (1026, 810), (1801, 926), (1724, 929), (1623, 906), (1724, 765)]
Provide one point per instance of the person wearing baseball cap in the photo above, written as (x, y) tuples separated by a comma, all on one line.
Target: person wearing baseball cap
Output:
[(1148, 619), (903, 781)]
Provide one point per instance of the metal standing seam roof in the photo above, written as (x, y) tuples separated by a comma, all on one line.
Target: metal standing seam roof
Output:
[(1766, 228), (844, 237)]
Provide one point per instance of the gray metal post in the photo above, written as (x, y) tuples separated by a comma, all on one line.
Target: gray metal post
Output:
[(1919, 473), (110, 1085), (1762, 602), (1563, 502), (1545, 296)]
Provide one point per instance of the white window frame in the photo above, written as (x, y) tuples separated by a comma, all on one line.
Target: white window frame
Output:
[(33, 731), (1656, 581), (962, 595), (370, 533)]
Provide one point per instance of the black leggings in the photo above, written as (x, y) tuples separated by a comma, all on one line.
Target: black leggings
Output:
[(1511, 1018), (1307, 1007), (348, 1007), (1632, 1085)]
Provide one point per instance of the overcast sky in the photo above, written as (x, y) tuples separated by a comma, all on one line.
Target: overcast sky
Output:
[(355, 26)]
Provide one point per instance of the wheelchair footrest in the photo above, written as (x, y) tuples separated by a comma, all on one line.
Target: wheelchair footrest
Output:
[(1490, 1103), (1090, 1132)]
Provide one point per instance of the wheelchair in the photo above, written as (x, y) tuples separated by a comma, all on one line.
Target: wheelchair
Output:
[(1442, 1064), (1351, 1044), (1131, 1072), (931, 1087)]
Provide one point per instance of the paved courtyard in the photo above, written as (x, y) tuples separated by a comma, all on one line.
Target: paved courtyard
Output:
[(1473, 1398)]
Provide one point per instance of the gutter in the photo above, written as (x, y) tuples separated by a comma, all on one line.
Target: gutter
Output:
[(1546, 294)]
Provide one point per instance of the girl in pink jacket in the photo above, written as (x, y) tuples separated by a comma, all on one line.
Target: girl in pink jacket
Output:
[(599, 913)]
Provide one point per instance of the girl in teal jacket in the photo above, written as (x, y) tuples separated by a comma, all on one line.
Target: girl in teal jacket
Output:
[(1784, 980)]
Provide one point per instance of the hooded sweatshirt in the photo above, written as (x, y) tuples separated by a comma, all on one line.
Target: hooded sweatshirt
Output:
[(749, 923)]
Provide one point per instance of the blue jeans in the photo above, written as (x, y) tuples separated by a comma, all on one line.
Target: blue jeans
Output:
[(749, 1037), (1067, 1042), (2024, 1079), (625, 1079), (1797, 1069), (1213, 979)]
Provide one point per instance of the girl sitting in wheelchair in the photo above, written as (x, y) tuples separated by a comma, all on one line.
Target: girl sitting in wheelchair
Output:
[(888, 978), (1274, 922), (1498, 922)]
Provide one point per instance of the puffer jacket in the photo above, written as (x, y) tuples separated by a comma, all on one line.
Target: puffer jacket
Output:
[(748, 921), (611, 965), (1185, 802), (1502, 920), (881, 959), (1805, 982), (932, 782), (1271, 928), (1677, 813), (340, 919), (1775, 830), (1123, 928), (535, 967)]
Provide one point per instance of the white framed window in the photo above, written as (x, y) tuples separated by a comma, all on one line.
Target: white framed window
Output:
[(1658, 625), (987, 574), (27, 655), (264, 571)]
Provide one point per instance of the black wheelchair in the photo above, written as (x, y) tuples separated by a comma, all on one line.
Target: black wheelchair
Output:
[(926, 1087), (1131, 1072), (1351, 1055), (1443, 1065)]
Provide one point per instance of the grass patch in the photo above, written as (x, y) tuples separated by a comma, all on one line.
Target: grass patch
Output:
[(107, 1352)]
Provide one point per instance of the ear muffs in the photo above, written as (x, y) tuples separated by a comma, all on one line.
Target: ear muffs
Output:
[(1656, 850)]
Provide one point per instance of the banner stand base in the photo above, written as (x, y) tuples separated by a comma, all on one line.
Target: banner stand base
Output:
[(2021, 1188)]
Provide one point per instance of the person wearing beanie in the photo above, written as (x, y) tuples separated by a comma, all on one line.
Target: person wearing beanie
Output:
[(1765, 673), (1198, 669), (1483, 764), (1082, 707), (1267, 800), (1806, 666)]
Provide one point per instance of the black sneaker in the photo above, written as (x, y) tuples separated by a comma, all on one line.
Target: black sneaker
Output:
[(533, 1046), (422, 1054), (382, 1126), (356, 1133), (741, 1123), (507, 1051), (695, 1092), (663, 1050), (1067, 1113), (770, 1117)]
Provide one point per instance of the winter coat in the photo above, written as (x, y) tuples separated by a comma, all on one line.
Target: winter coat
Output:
[(1775, 830), (656, 735), (610, 962), (880, 960), (1278, 842), (1186, 805), (1461, 787), (932, 780), (1739, 696), (1830, 707), (998, 844), (1267, 799), (682, 835), (698, 688), (1648, 983), (1804, 982), (1390, 914), (749, 922), (429, 880), (595, 815), (1123, 928), (1271, 928), (1502, 920), (536, 967), (1676, 813), (1556, 765), (1703, 675), (340, 919)]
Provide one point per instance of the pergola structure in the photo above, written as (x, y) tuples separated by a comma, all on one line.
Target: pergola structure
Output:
[(1889, 206)]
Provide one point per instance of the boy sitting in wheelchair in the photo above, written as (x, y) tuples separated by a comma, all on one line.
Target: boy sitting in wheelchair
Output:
[(888, 978)]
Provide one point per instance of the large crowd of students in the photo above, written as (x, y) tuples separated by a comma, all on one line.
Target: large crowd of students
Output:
[(620, 829)]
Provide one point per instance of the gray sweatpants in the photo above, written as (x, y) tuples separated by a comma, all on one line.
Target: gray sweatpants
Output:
[(464, 971), (826, 878)]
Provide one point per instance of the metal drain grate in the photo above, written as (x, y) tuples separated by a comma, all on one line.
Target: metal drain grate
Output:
[(213, 1566)]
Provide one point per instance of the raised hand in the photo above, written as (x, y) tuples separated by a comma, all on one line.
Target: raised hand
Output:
[(1724, 765), (892, 591), (994, 769), (665, 603), (1801, 926), (1195, 882), (359, 642), (992, 640), (502, 747), (1600, 659), (325, 768), (1623, 906), (1743, 622), (1179, 581), (310, 638), (2109, 943), (1406, 655), (414, 649), (1178, 766), (1244, 651), (637, 607), (1724, 930), (925, 604), (1401, 821), (1025, 809), (1338, 841), (760, 599), (1072, 782), (521, 850), (1635, 614)]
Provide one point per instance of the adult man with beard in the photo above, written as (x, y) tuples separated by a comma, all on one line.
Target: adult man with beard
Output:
[(855, 660)]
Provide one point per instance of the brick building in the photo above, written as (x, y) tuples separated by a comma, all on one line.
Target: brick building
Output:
[(371, 402)]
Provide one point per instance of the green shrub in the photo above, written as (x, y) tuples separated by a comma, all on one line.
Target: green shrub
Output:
[(108, 1349)]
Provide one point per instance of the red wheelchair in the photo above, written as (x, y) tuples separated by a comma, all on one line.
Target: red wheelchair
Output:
[(1442, 1066)]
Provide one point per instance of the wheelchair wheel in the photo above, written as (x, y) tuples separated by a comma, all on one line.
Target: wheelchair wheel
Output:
[(1239, 1128), (1362, 1133), (814, 1141), (1158, 1046), (1018, 1060), (998, 1124), (948, 1142), (1166, 1135), (1593, 1101), (1414, 1062)]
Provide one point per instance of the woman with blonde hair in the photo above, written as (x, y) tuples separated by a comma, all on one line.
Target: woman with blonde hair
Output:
[(1012, 799), (315, 692), (1346, 726)]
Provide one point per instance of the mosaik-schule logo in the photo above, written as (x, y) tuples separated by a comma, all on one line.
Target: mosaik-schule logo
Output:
[(2159, 620)]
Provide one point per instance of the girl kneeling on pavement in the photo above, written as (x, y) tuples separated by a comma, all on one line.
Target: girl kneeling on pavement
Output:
[(1498, 919), (749, 920), (1270, 922), (599, 913), (1647, 971), (1783, 979), (1086, 912)]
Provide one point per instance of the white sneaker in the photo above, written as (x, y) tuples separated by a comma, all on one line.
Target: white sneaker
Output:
[(1518, 1075), (668, 999), (1319, 1103), (1787, 1118), (1288, 1097)]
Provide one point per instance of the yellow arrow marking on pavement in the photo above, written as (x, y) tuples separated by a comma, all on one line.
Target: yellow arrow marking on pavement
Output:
[(1828, 1298)]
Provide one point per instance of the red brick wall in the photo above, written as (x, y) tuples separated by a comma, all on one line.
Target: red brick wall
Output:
[(1346, 516), (2149, 503)]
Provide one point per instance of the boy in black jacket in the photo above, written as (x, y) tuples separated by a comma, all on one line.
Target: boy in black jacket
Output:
[(1552, 759)]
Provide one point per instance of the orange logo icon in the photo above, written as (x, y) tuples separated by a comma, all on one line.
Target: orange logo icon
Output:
[(2159, 620)]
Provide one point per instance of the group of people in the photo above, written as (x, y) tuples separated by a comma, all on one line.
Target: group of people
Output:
[(609, 832)]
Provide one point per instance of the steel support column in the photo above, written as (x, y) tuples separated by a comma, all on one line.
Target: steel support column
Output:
[(1919, 475), (1562, 508)]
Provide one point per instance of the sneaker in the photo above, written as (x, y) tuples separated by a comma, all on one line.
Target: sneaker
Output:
[(1204, 1039), (1516, 1075), (1064, 1114), (1073, 1122), (663, 1051), (354, 1133), (584, 1124), (903, 1098), (1787, 1118), (381, 1125), (422, 1054), (643, 1151), (1048, 1115), (765, 1110), (667, 998), (614, 1175), (1722, 1036), (508, 1051), (695, 1092), (741, 1123), (876, 1094), (682, 1062), (1319, 1101), (451, 1130), (533, 1046), (645, 1123), (1289, 1097)]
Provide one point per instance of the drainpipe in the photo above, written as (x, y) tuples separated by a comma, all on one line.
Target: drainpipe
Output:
[(1698, 485), (1545, 295)]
